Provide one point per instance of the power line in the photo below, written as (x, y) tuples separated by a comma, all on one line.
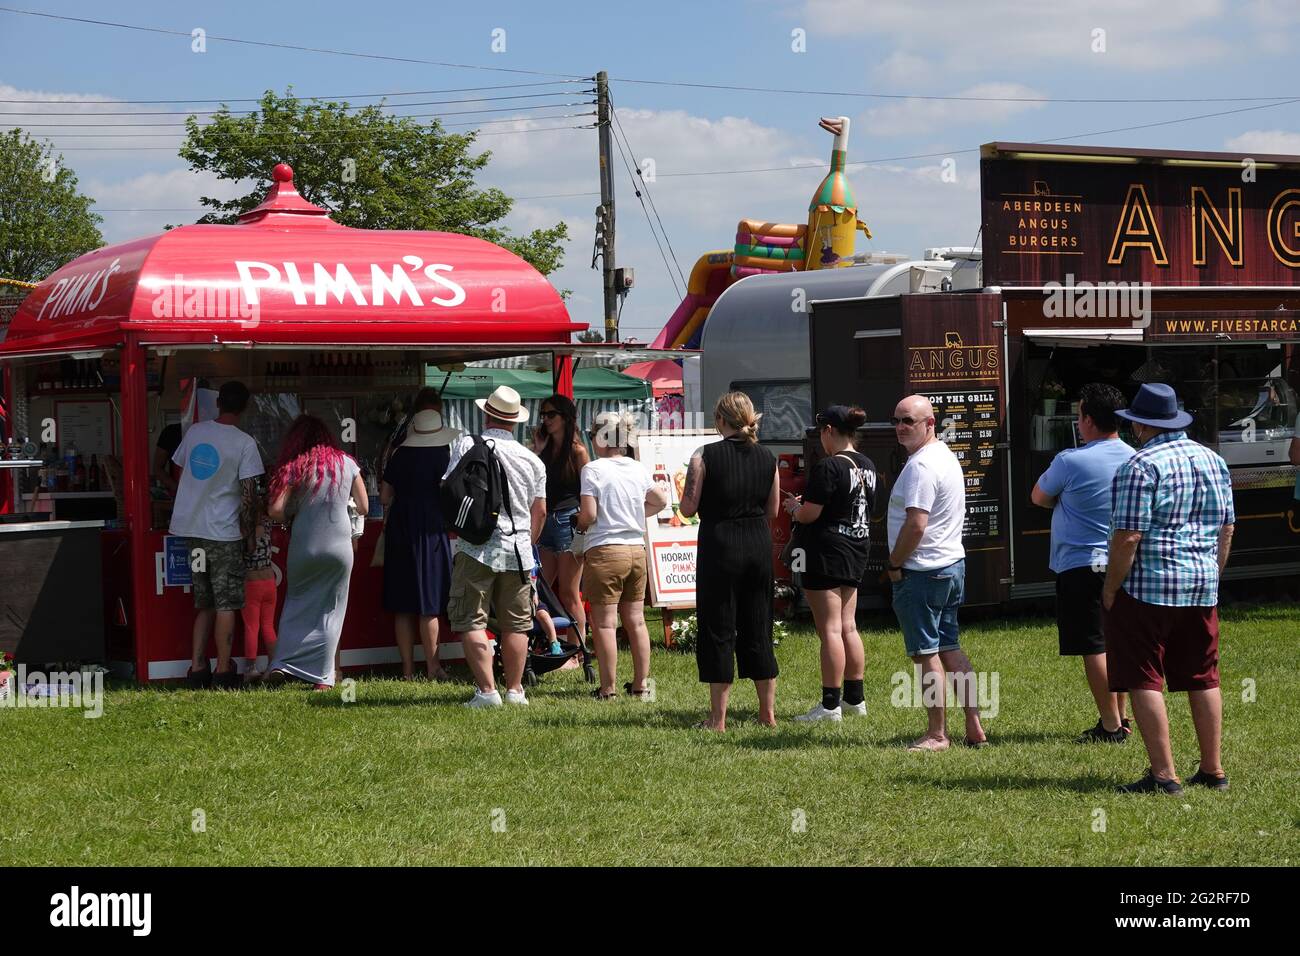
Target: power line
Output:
[(653, 234), (641, 81), (618, 124), (289, 46), (205, 209), (520, 119), (365, 106), (943, 98), (975, 149), (501, 132), (258, 99)]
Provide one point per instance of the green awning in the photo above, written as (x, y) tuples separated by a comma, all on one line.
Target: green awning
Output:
[(595, 382)]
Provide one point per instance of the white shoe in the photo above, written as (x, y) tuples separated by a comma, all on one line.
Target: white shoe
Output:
[(481, 699), (858, 710), (517, 697), (820, 713)]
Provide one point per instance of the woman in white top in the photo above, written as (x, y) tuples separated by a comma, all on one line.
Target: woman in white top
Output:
[(616, 495)]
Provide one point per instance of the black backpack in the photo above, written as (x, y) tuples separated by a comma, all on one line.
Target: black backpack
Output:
[(474, 494)]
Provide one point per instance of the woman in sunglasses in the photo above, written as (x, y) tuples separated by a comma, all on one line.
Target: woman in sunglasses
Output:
[(557, 443), (836, 511)]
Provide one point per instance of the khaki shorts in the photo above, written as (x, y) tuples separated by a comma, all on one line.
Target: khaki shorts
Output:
[(221, 586), (476, 589), (614, 574)]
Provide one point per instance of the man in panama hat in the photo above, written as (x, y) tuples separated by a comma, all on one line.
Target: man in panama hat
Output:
[(493, 576), (1171, 528)]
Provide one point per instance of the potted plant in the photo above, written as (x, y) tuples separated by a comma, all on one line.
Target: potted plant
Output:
[(1052, 392)]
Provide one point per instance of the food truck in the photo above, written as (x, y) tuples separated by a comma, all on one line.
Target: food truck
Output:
[(1121, 266), (313, 317)]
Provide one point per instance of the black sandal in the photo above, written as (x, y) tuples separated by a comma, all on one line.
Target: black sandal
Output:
[(642, 694), (599, 696)]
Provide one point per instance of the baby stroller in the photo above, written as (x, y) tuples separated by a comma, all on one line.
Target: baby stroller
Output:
[(540, 659)]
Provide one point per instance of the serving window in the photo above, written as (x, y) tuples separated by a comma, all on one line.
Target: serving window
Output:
[(361, 395), (1242, 397)]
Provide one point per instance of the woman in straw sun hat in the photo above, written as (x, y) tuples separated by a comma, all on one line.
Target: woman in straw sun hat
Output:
[(417, 553)]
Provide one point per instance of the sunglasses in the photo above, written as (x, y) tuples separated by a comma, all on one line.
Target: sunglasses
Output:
[(550, 413), (909, 422)]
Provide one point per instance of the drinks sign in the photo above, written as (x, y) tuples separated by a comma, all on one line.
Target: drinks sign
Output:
[(1176, 219)]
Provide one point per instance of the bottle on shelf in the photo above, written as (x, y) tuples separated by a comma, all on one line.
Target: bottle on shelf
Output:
[(92, 478), (665, 517)]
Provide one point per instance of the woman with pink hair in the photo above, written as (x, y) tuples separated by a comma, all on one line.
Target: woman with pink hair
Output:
[(310, 487)]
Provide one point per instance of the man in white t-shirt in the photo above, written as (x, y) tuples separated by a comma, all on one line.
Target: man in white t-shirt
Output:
[(216, 509), (617, 494), (493, 576), (927, 565)]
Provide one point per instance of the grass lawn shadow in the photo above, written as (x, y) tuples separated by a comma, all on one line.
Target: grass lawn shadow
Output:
[(1089, 783)]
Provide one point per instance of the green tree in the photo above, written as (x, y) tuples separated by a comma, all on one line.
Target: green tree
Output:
[(373, 170), (44, 221)]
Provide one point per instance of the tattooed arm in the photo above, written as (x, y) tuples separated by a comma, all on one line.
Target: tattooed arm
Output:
[(248, 507), (690, 503)]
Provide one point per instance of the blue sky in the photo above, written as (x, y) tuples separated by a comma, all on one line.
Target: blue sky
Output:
[(996, 48)]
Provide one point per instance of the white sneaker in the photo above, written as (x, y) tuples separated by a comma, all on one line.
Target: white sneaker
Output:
[(819, 712), (858, 710), (481, 699), (517, 697)]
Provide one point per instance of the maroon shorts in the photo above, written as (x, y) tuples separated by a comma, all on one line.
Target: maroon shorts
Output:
[(1149, 644)]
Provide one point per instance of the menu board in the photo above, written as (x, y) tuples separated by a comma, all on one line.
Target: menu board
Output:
[(87, 424), (970, 422), (671, 540)]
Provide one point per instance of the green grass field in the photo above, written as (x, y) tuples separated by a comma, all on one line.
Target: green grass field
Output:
[(406, 776)]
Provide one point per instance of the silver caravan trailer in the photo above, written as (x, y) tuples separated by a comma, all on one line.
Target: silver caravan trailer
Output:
[(756, 335)]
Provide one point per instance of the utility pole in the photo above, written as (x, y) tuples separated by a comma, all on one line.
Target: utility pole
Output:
[(605, 212)]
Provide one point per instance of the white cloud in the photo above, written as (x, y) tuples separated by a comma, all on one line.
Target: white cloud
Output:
[(901, 69), (917, 116), (175, 189), (1275, 141), (13, 93), (1140, 34)]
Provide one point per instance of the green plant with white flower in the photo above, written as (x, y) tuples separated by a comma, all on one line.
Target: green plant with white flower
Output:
[(686, 632)]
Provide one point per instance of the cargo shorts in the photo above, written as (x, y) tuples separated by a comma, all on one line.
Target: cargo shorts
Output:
[(221, 584), (477, 590)]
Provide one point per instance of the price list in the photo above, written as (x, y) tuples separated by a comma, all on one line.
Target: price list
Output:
[(970, 423)]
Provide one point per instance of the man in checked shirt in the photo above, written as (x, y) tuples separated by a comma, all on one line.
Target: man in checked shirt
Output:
[(1171, 529)]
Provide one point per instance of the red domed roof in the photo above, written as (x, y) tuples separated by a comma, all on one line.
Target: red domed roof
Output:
[(287, 273)]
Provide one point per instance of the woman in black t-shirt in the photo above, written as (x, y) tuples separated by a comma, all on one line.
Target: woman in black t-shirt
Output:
[(836, 512)]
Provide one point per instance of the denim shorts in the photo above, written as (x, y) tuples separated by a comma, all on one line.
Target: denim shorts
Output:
[(557, 532), (926, 603)]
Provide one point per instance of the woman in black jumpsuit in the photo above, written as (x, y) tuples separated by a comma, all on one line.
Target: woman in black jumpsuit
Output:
[(732, 484)]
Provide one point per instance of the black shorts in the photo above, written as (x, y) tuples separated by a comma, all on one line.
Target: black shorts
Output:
[(1078, 612)]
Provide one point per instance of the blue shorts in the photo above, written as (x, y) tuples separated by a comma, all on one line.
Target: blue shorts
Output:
[(557, 532), (926, 603)]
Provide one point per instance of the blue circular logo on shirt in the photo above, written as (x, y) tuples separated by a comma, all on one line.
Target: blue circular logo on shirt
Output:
[(204, 461)]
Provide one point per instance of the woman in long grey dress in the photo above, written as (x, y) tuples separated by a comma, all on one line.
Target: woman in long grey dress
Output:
[(311, 487)]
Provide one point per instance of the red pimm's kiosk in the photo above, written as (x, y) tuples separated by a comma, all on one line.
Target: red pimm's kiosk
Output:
[(311, 315)]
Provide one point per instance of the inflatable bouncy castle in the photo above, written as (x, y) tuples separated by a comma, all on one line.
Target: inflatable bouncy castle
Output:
[(825, 241)]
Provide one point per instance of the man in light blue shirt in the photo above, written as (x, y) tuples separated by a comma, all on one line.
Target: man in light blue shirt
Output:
[(1077, 487)]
